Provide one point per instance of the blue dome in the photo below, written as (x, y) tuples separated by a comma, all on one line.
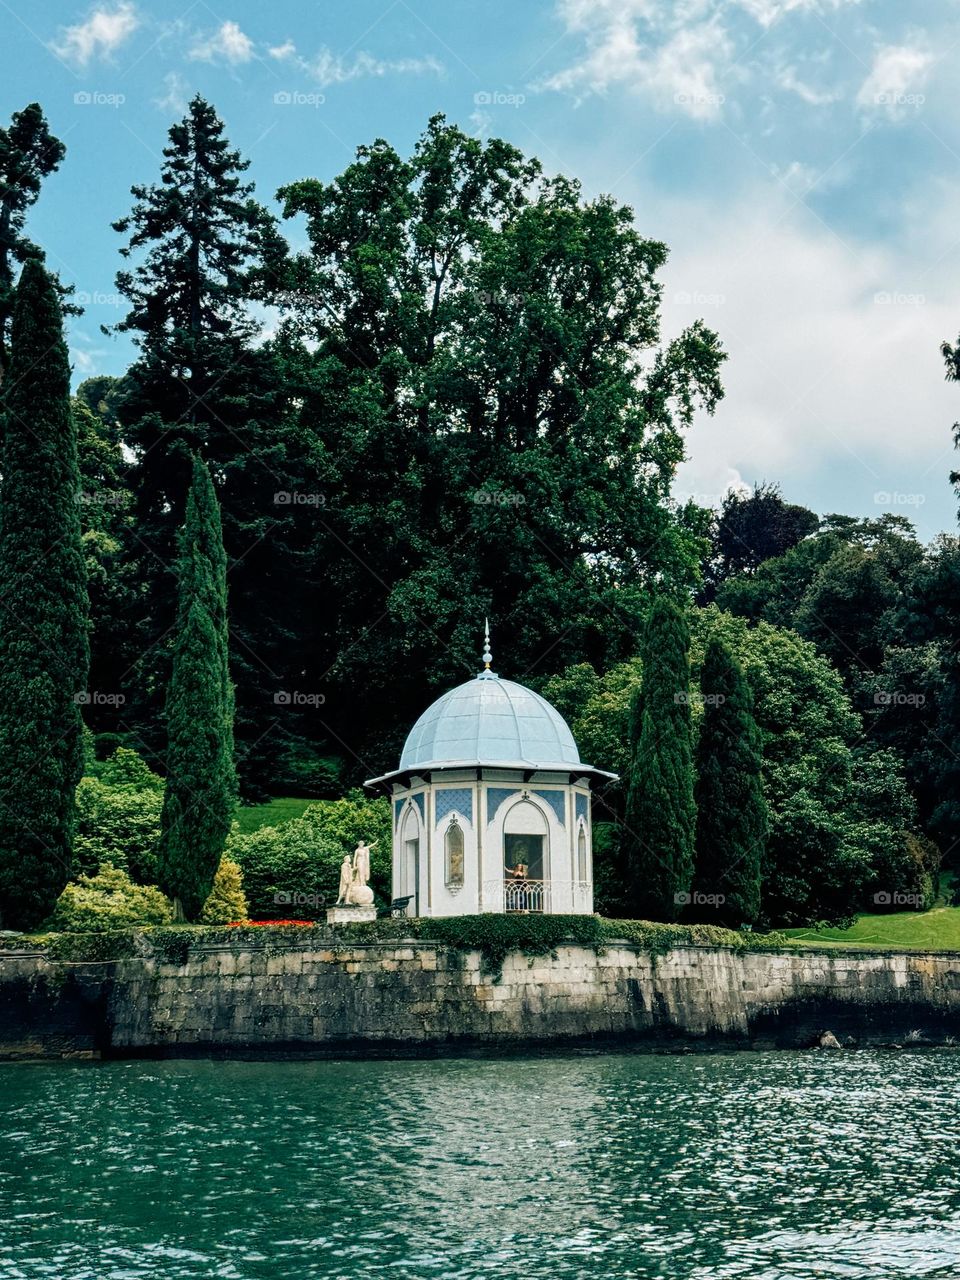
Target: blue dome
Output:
[(489, 721)]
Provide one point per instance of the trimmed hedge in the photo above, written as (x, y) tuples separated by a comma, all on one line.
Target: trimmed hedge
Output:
[(494, 936)]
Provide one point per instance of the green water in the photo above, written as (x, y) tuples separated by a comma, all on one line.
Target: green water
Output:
[(759, 1166)]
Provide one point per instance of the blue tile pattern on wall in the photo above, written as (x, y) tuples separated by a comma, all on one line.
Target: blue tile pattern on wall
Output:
[(496, 797), (459, 799), (555, 799)]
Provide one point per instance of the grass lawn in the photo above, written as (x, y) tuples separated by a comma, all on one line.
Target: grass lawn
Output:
[(934, 930), (252, 817)]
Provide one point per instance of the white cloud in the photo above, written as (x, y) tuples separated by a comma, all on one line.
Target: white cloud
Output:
[(791, 82), (677, 70), (228, 44), (174, 97), (327, 68), (99, 37), (834, 382), (894, 81), (767, 12)]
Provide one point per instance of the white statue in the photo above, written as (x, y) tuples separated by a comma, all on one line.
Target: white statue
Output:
[(355, 890), (346, 880), (361, 862)]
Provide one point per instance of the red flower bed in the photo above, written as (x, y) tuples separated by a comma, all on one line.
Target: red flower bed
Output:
[(260, 924)]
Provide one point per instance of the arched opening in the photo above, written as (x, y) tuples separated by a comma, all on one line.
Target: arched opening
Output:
[(582, 854), (526, 858), (453, 855), (410, 862)]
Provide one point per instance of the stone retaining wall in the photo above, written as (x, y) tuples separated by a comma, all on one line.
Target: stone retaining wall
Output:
[(417, 997)]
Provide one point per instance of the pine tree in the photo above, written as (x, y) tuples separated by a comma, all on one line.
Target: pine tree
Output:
[(660, 817), (731, 810), (227, 903), (200, 795), (28, 153), (44, 652), (201, 251)]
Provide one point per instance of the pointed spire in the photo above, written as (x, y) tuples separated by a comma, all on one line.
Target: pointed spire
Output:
[(487, 655)]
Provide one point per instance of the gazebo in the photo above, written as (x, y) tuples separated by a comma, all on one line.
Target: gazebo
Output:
[(491, 805)]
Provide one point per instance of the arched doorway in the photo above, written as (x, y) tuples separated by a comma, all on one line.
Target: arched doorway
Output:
[(526, 858)]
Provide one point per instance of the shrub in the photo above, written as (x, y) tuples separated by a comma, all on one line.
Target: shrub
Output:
[(119, 826), (288, 871), (108, 900), (125, 768), (227, 903), (294, 870)]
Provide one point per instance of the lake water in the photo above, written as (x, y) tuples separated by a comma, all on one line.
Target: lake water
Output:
[(703, 1167)]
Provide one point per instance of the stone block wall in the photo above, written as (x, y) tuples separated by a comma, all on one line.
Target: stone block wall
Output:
[(417, 997)]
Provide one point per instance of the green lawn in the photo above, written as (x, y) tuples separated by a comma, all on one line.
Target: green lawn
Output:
[(252, 817), (938, 929)]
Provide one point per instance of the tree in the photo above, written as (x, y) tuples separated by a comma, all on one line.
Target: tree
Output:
[(497, 424), (660, 817), (44, 653), (200, 794), (227, 903), (204, 251), (28, 153), (731, 809), (754, 527)]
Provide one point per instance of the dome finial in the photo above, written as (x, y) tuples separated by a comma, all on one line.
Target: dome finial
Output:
[(487, 655)]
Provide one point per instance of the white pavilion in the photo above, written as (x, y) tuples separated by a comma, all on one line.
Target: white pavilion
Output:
[(491, 806)]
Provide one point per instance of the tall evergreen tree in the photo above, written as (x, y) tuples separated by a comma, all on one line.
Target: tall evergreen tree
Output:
[(200, 794), (731, 810), (44, 652), (202, 250), (28, 153), (660, 817)]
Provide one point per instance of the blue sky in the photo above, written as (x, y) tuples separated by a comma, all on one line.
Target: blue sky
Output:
[(801, 158)]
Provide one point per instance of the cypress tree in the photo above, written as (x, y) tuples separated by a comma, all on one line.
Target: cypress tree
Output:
[(731, 810), (660, 818), (44, 651), (201, 787)]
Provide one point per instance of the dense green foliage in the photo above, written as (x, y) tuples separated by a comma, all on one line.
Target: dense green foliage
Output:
[(293, 871), (732, 821), (659, 819), (44, 653), (28, 153), (107, 901), (119, 826), (200, 794), (227, 903)]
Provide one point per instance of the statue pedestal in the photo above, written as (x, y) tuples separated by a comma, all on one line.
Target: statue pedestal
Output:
[(348, 913)]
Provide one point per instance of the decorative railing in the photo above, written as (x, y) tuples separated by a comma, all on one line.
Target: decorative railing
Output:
[(536, 896)]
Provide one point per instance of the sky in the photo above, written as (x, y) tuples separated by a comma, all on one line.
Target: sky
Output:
[(800, 158)]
